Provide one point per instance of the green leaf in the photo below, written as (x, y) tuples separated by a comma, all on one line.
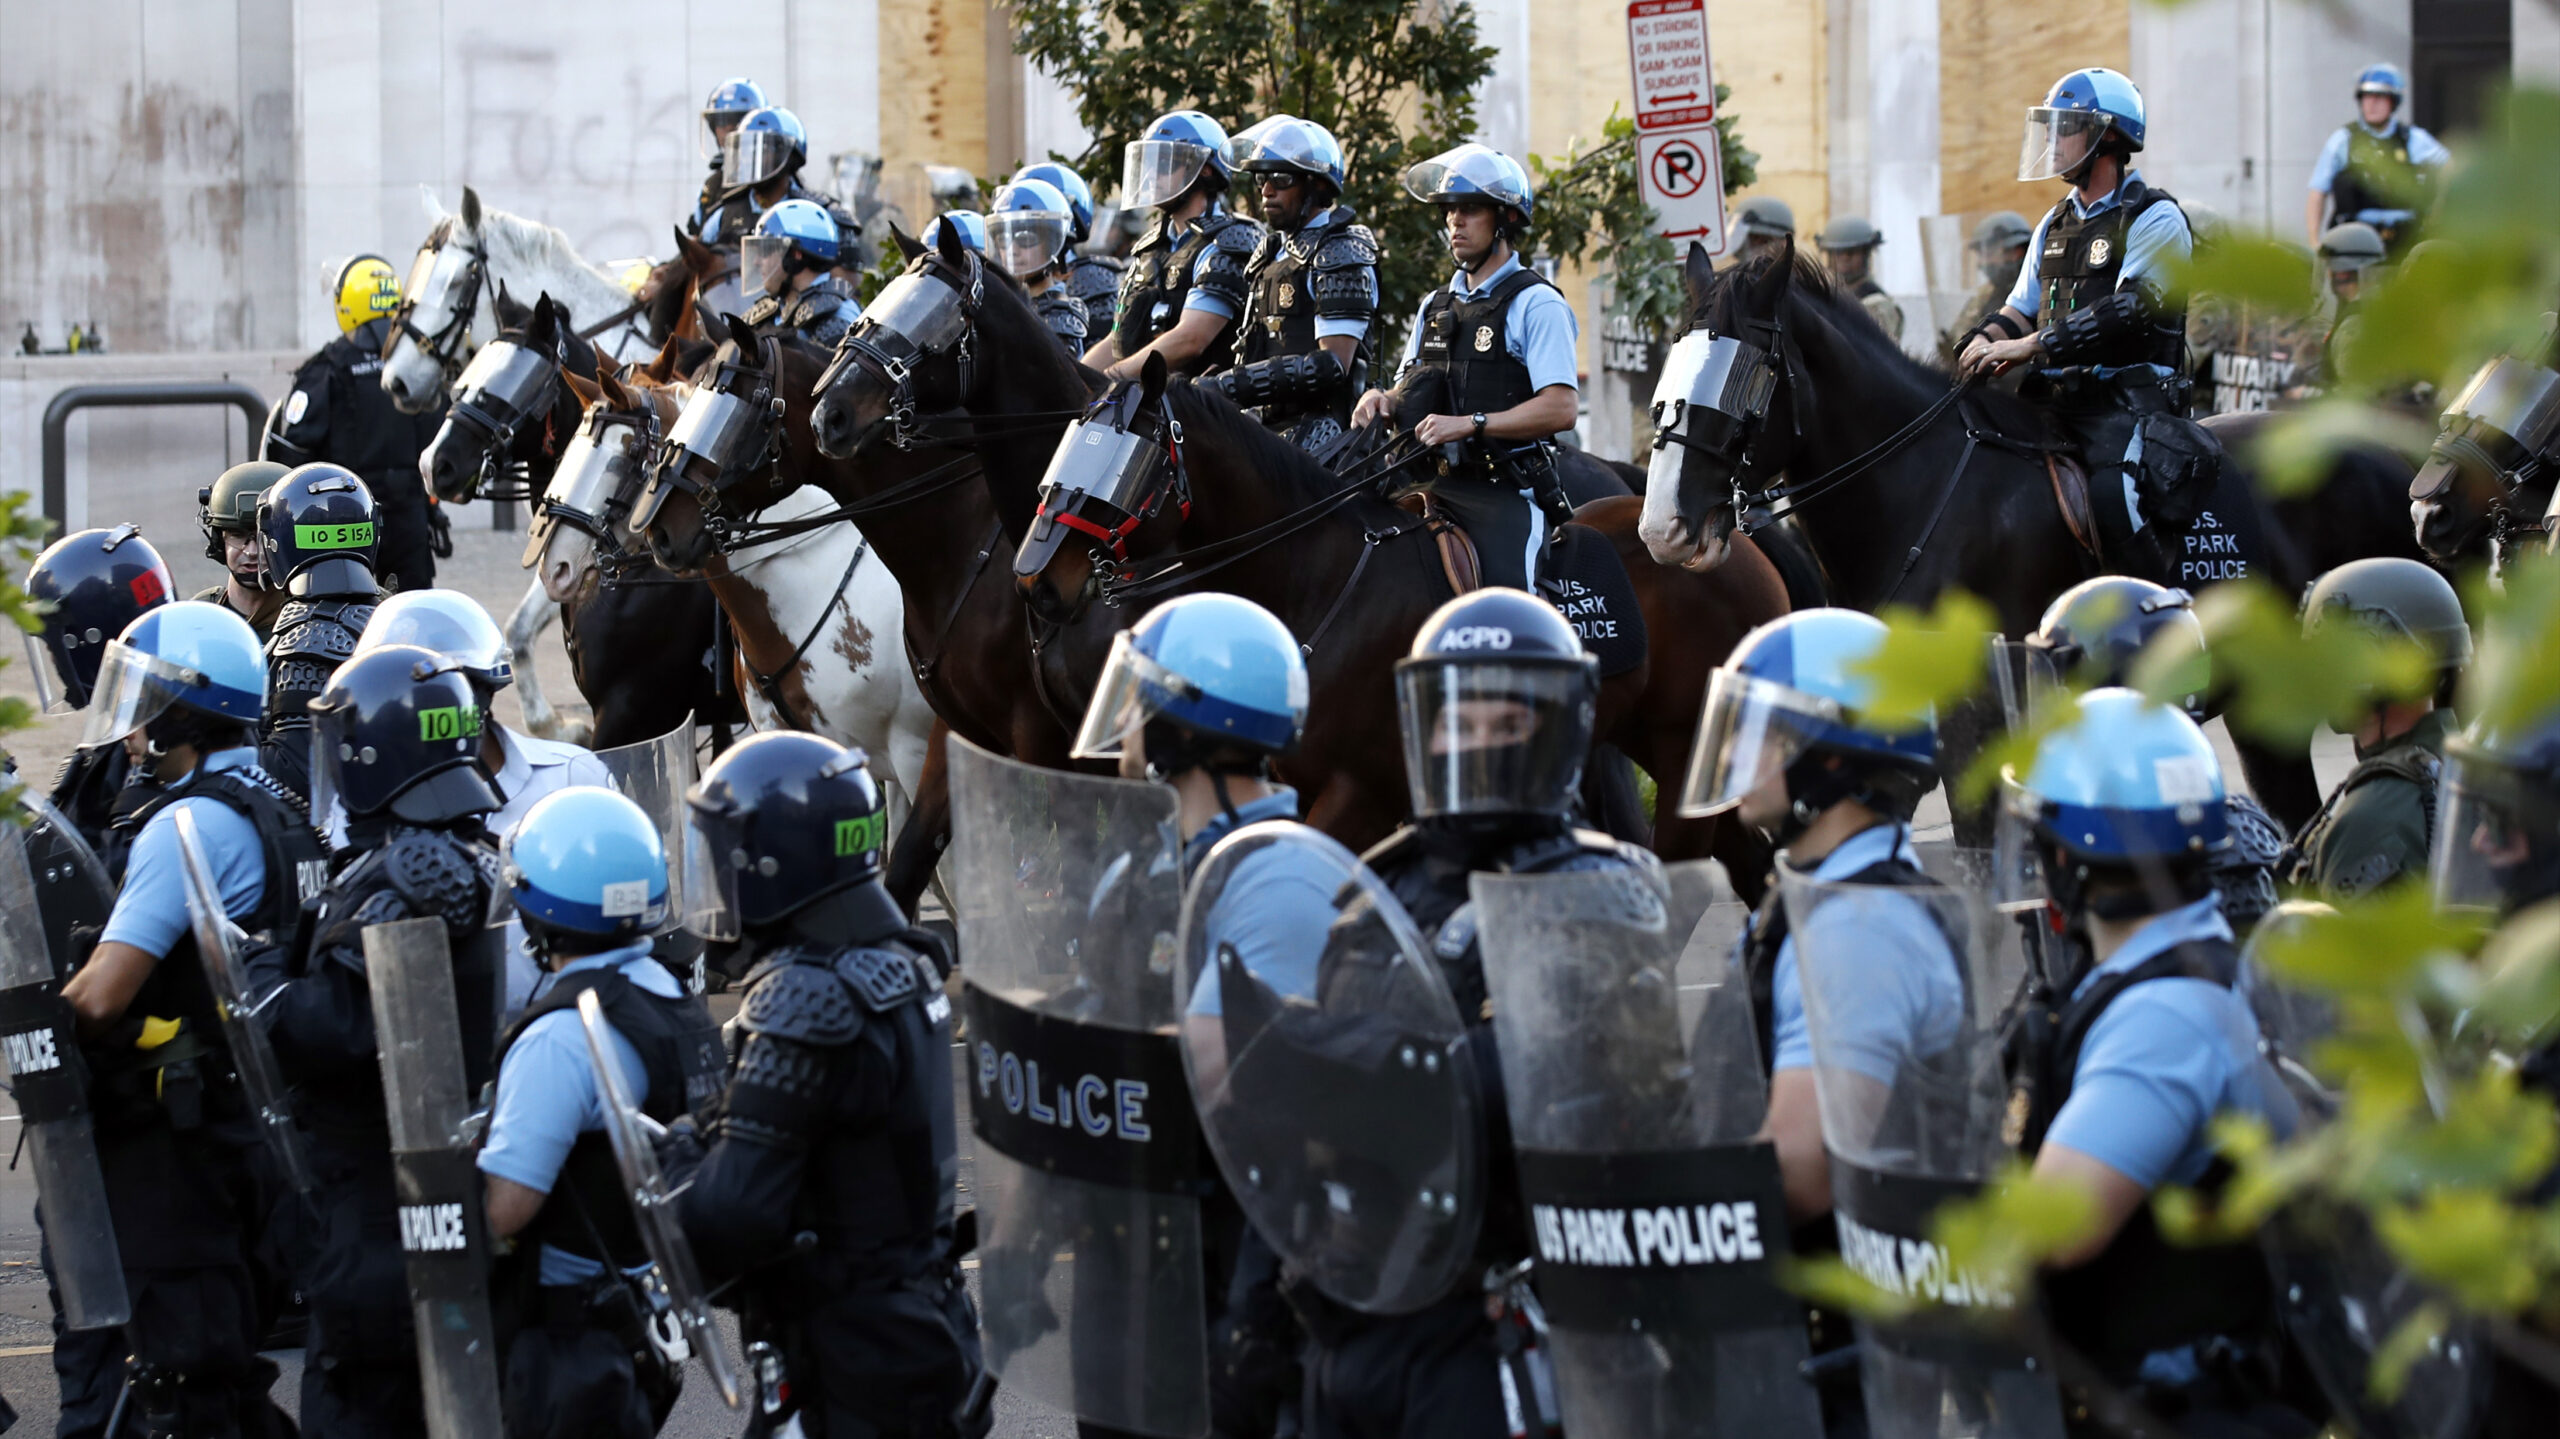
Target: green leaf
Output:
[(1927, 660), (2284, 683), (2519, 996), (2372, 945), (2298, 449), (2514, 679), (2408, 1343), (2467, 1242), (2253, 270)]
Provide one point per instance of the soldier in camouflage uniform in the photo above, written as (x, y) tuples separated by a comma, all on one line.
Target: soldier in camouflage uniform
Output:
[(1999, 248), (2377, 827), (1848, 246)]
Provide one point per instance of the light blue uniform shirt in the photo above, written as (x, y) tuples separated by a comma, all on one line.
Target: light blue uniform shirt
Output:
[(534, 768), (151, 910), (1538, 329), (2424, 150), (2154, 243), (547, 1094), (1276, 910), (1197, 298), (2166, 1058), (1890, 985)]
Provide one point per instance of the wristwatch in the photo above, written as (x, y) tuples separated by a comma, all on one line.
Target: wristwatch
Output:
[(1479, 424)]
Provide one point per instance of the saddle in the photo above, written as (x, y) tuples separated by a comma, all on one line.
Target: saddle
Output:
[(1457, 548), (1581, 576)]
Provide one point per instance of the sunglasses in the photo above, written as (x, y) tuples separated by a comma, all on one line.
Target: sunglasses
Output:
[(1281, 180)]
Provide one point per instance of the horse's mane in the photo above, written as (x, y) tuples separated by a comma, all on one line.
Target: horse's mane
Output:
[(1811, 290), (533, 241), (1277, 455)]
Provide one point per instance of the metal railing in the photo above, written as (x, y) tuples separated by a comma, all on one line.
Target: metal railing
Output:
[(130, 395)]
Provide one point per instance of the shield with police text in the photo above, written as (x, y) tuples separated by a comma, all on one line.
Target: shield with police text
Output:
[(444, 1233), (1331, 1069), (1903, 986), (218, 944), (1631, 1068), (50, 1082), (680, 1318), (1089, 1164)]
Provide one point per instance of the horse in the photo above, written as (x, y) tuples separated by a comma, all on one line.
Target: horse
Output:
[(469, 260), (1875, 445), (2482, 489)]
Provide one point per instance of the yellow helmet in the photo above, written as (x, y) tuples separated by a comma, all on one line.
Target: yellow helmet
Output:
[(366, 288)]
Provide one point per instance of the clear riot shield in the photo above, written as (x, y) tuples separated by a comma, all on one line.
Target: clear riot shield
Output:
[(1903, 986), (218, 944), (1331, 1069), (50, 1083), (444, 1232), (1659, 1221), (680, 1320), (1069, 889), (654, 774), (72, 886)]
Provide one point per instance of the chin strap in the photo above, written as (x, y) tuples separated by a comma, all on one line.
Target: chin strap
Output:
[(1218, 782)]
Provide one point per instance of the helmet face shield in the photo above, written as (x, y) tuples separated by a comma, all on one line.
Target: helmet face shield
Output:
[(2497, 843), (761, 259), (1153, 172), (53, 697), (1133, 689), (133, 689), (1751, 731), (1494, 737), (751, 157), (1026, 242), (711, 863), (2058, 142)]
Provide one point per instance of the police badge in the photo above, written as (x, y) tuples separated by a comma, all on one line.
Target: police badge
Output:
[(2099, 249), (1484, 338)]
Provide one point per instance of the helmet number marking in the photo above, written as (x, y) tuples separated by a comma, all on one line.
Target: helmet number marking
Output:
[(859, 835), (333, 537), (448, 722)]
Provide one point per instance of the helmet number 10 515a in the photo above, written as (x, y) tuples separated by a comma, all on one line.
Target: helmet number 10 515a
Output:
[(333, 537)]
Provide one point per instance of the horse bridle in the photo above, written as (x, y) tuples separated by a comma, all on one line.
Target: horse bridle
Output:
[(1723, 410), (613, 559), (879, 344), (468, 407), (1105, 461), (457, 328), (686, 461)]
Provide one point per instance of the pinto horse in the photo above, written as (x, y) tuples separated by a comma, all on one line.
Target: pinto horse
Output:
[(1906, 488)]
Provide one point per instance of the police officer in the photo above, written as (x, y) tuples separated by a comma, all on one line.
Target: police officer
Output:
[(1094, 279), (227, 511), (2091, 636), (589, 876), (339, 414), (968, 229), (95, 583), (1848, 246), (1184, 285), (730, 102), (1764, 226), (2376, 168), (787, 271), (1999, 249), (2379, 824), (317, 531), (398, 748), (827, 1188), (1495, 704), (2097, 319), (2139, 1054), (1027, 227), (1302, 351), (760, 162), (1505, 337), (179, 691)]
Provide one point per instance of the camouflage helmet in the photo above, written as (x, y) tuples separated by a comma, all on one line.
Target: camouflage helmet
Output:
[(230, 503), (1765, 215), (2394, 596), (1850, 232), (2003, 228), (2354, 246)]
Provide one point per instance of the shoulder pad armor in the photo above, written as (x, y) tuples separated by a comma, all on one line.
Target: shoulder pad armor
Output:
[(1153, 235), (880, 978), (1579, 849), (1095, 274), (442, 875), (798, 997), (763, 311), (324, 629), (1347, 245), (1239, 237)]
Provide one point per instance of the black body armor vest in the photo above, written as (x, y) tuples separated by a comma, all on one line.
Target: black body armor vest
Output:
[(2379, 175), (1156, 280), (1466, 337), (2079, 266), (1324, 270)]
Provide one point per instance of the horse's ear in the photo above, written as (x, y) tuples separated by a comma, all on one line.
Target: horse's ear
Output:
[(585, 389), (470, 209), (741, 334), (543, 330), (946, 239), (1698, 271), (699, 258), (908, 245), (662, 366), (1152, 375), (1769, 287), (614, 394)]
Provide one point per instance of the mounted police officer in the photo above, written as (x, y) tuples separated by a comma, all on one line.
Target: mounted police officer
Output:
[(588, 872), (96, 583), (2097, 318), (760, 163), (317, 532), (2379, 824), (179, 690), (826, 1191), (398, 742), (1028, 223), (1848, 246), (338, 413), (227, 512), (967, 227), (2377, 168), (787, 272), (1764, 226), (1184, 285), (1302, 352), (730, 102), (1496, 706), (1093, 279), (1504, 337), (1999, 249), (2126, 1063)]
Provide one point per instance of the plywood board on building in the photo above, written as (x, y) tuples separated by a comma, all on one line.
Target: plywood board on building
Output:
[(933, 84), (1995, 59)]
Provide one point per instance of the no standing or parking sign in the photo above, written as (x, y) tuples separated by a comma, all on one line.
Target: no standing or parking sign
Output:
[(1678, 160)]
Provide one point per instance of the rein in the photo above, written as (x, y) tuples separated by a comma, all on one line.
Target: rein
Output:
[(941, 477), (769, 685), (1185, 567), (1800, 493)]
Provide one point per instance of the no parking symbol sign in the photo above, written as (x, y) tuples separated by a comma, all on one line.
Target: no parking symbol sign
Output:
[(1679, 162)]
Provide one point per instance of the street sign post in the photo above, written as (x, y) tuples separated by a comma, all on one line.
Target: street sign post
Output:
[(1679, 161)]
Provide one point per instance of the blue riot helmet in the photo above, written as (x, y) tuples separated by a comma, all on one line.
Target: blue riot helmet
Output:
[(1496, 701), (2094, 630), (2084, 110), (2121, 809), (317, 528), (1206, 680), (2382, 78), (731, 101), (793, 236), (397, 734), (450, 623), (770, 142), (2497, 846), (1028, 228), (1285, 144), (1070, 184), (182, 658), (1179, 149), (1793, 701), (969, 225), (780, 821), (91, 585), (587, 864)]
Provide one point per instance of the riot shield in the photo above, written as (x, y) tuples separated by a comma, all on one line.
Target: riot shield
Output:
[(1088, 1160), (50, 1083), (1659, 1221), (218, 944), (681, 1318), (654, 774), (444, 1234), (72, 886), (1902, 990), (1331, 1069)]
